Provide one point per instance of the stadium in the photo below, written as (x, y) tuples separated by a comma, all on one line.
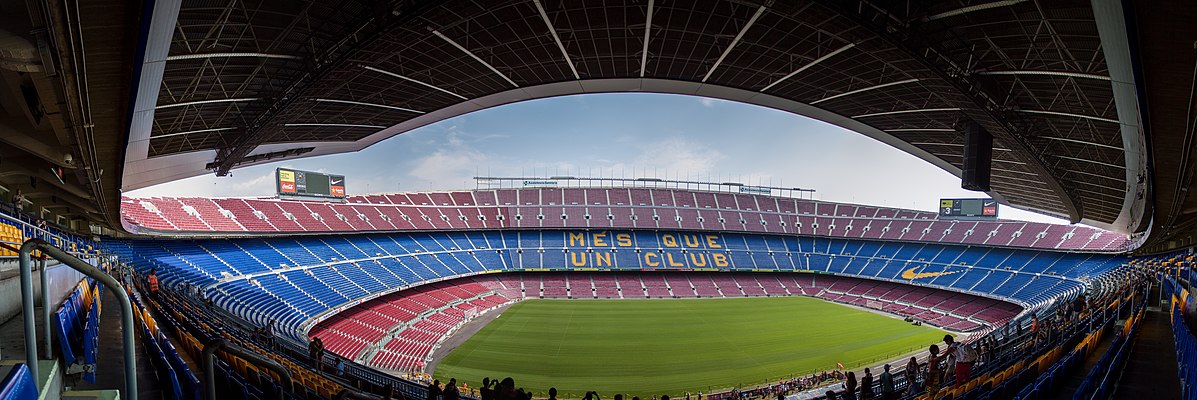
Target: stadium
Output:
[(1059, 265)]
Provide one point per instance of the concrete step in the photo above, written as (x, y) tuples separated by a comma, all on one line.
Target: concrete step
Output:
[(91, 395)]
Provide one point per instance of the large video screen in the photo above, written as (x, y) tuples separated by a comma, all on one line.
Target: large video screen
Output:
[(968, 208), (290, 182)]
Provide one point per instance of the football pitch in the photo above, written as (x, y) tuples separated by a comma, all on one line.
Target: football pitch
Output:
[(654, 347)]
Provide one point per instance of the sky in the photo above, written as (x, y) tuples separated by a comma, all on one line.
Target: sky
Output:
[(626, 135)]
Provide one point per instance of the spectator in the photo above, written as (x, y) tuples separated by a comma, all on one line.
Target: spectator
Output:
[(934, 375), (866, 385), (18, 201), (831, 395), (850, 387), (506, 390), (1034, 328), (434, 390), (268, 334), (553, 393), (312, 351), (450, 392), (152, 282), (341, 367), (319, 360), (965, 357), (887, 384), (485, 393)]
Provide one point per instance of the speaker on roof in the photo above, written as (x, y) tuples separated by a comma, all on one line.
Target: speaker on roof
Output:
[(978, 157)]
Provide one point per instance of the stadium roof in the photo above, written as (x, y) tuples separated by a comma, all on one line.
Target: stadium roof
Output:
[(216, 85)]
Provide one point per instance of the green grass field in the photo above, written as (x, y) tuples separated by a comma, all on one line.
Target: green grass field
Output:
[(646, 347)]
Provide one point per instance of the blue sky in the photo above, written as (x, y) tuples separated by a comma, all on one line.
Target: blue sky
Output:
[(629, 134)]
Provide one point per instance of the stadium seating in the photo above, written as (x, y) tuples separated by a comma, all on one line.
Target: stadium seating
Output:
[(12, 235), (418, 317), (76, 323), (19, 384), (1182, 335), (235, 378), (400, 331), (295, 279), (387, 300), (656, 208)]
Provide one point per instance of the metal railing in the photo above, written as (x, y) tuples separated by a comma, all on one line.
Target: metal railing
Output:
[(91, 271)]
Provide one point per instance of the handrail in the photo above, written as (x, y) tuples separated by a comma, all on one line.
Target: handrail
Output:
[(9, 246), (209, 360), (47, 346), (91, 271)]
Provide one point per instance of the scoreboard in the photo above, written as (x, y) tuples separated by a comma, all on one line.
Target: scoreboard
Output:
[(968, 208), (290, 182)]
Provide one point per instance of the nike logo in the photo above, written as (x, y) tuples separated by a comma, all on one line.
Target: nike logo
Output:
[(910, 274)]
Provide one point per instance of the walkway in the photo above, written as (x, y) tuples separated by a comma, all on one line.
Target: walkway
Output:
[(110, 358), (1151, 371)]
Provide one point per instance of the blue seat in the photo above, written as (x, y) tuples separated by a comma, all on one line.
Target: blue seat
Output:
[(19, 384)]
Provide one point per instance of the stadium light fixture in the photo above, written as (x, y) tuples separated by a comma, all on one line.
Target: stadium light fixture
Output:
[(413, 81), (1047, 73), (199, 102), (230, 55), (338, 125), (191, 132), (475, 57), (874, 87), (1064, 114), (556, 38), (1081, 142), (1089, 161), (648, 24), (811, 64), (369, 105), (734, 42), (906, 112), (921, 130), (965, 10)]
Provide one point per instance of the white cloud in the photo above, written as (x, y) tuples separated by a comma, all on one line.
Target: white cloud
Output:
[(255, 185), (709, 102), (261, 183), (447, 168), (679, 155)]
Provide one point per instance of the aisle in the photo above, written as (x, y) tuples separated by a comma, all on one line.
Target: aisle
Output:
[(110, 364), (1151, 371)]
